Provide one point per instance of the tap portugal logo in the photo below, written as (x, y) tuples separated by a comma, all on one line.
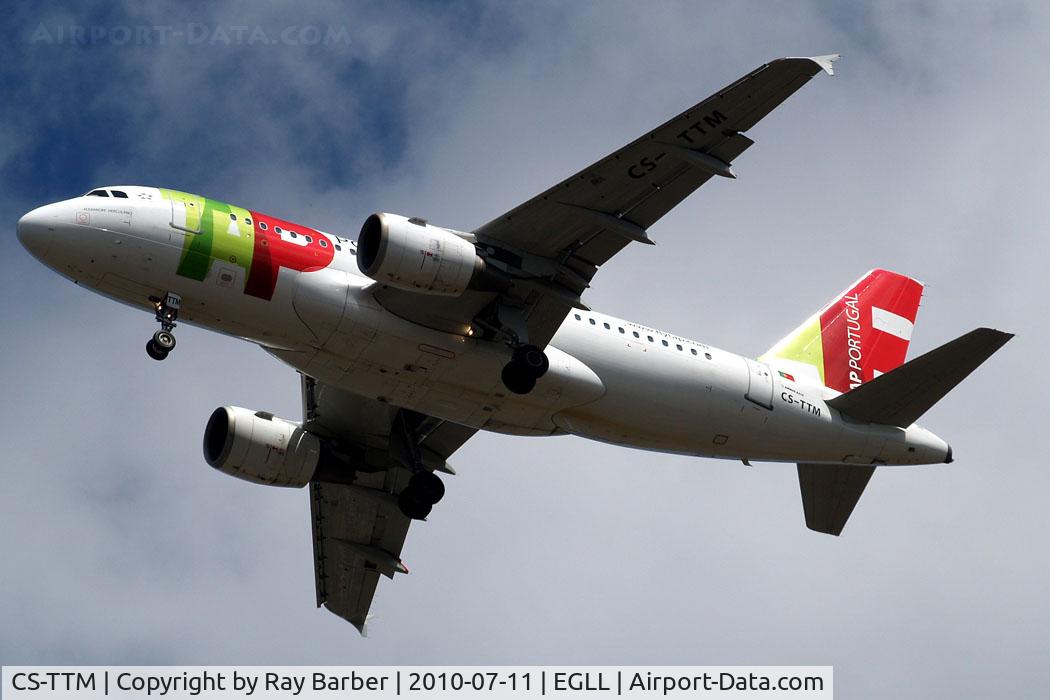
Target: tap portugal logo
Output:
[(229, 235), (853, 337)]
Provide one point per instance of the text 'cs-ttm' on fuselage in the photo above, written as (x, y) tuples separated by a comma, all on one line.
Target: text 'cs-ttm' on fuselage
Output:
[(413, 337)]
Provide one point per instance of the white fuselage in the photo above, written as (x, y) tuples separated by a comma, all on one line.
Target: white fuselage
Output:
[(609, 379)]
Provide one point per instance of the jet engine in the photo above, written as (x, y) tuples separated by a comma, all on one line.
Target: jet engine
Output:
[(261, 448), (414, 255)]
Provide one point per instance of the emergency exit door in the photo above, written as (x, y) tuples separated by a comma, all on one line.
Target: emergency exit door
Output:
[(759, 383)]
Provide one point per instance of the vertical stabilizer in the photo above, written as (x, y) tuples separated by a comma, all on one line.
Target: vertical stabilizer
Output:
[(862, 333)]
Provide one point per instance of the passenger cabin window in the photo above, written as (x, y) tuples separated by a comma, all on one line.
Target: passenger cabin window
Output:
[(592, 321), (707, 355), (308, 239), (636, 334), (277, 229), (665, 343), (692, 350), (606, 326), (621, 329), (338, 247), (119, 194), (262, 225), (578, 317), (233, 217), (97, 193), (323, 242)]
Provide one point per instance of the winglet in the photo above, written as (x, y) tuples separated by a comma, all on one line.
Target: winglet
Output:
[(826, 62)]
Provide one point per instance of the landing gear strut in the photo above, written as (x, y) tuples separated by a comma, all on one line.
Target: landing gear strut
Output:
[(163, 341), (425, 488), (528, 364)]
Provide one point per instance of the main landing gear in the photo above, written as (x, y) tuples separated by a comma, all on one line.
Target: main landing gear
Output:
[(163, 341), (425, 488), (505, 322), (528, 364)]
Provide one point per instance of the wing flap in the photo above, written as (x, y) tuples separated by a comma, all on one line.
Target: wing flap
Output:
[(358, 529), (350, 529)]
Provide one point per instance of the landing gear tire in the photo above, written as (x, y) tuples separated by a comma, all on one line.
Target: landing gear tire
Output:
[(164, 341), (154, 351), (167, 310), (518, 378), (427, 487), (532, 359), (411, 506)]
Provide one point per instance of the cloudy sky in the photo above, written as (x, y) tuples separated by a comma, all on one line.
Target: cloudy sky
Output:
[(926, 154)]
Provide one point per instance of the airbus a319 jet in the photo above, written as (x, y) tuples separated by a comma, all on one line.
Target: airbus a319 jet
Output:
[(415, 336)]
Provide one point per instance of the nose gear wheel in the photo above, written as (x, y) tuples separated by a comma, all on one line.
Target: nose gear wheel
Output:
[(163, 341)]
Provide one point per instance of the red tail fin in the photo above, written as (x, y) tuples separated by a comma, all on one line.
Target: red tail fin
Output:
[(861, 334), (866, 331)]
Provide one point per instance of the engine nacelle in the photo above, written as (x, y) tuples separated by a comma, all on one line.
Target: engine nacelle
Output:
[(259, 447), (411, 254)]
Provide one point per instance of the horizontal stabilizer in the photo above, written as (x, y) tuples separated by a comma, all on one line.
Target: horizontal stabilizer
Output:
[(902, 395), (830, 492)]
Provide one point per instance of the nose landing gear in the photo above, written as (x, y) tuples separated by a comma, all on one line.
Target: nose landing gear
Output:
[(163, 341)]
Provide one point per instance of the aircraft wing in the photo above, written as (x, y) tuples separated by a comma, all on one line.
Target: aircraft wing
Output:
[(553, 244), (358, 530)]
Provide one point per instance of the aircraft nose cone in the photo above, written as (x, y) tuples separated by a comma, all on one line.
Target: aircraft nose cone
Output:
[(36, 230)]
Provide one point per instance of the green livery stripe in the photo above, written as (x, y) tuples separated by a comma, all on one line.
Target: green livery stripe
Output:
[(186, 209), (231, 236), (217, 231), (802, 345)]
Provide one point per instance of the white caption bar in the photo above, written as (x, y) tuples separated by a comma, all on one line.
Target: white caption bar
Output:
[(330, 682)]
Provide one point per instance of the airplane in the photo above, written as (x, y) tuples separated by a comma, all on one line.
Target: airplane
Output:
[(414, 336)]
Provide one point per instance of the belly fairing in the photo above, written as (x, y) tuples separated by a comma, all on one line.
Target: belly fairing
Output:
[(371, 352)]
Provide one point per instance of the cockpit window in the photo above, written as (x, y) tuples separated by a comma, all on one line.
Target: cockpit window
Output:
[(119, 194), (97, 193)]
